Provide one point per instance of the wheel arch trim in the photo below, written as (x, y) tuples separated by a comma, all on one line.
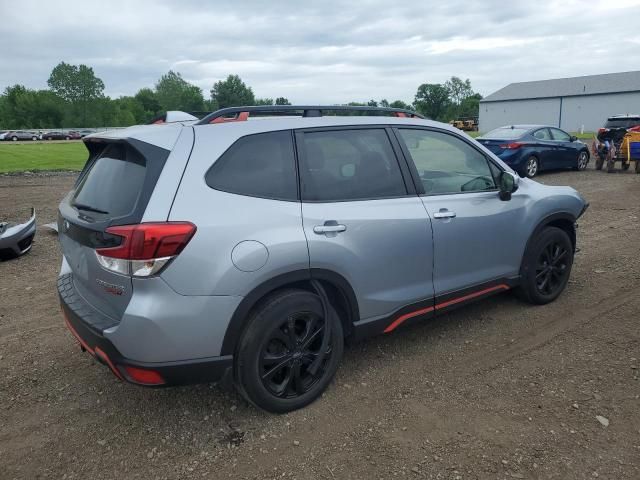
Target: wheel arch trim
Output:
[(301, 277)]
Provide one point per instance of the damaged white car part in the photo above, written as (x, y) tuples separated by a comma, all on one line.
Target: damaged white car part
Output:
[(16, 239)]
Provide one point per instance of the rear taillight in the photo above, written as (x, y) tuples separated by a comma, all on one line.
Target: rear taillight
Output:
[(511, 146), (145, 248), (602, 130)]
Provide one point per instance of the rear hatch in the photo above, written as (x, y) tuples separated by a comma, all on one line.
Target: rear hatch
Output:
[(113, 189), (616, 127)]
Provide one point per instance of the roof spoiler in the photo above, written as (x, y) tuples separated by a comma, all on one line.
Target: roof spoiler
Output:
[(173, 116)]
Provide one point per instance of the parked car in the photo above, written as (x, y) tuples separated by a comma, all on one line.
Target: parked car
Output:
[(617, 126), (56, 136), (74, 135), (530, 149), (16, 135), (84, 133), (2, 134), (252, 250)]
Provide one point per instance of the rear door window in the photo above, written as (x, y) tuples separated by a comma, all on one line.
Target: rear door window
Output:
[(113, 182), (356, 164), (261, 165)]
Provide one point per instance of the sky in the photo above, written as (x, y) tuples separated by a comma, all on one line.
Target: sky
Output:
[(323, 52)]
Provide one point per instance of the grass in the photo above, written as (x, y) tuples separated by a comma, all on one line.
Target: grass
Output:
[(22, 156)]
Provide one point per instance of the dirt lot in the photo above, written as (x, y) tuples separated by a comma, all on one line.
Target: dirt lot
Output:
[(497, 390)]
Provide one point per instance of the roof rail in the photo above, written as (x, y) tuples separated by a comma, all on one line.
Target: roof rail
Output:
[(239, 114)]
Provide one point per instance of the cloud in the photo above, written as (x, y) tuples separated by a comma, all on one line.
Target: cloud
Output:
[(319, 52)]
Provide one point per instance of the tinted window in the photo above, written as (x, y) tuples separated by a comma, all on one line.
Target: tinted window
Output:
[(505, 133), (261, 165), (542, 134), (113, 182), (622, 122), (559, 135), (349, 165), (447, 164)]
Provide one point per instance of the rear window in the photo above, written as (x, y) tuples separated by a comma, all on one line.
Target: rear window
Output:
[(505, 133), (261, 165), (622, 122), (113, 182), (344, 165)]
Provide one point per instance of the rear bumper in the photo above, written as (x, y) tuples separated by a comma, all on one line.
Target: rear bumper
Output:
[(172, 373)]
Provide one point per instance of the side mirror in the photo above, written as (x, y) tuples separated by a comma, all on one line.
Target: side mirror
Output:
[(573, 138), (507, 184)]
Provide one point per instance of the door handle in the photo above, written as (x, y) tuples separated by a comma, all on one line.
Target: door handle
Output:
[(321, 229), (444, 213)]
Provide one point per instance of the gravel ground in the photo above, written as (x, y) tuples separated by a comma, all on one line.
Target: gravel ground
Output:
[(497, 390)]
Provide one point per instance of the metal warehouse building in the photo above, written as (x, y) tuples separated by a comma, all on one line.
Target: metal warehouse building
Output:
[(569, 103)]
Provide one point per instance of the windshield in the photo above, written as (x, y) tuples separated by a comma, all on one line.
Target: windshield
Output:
[(505, 133)]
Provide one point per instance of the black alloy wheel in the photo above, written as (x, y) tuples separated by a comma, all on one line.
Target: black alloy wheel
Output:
[(289, 351), (293, 358), (552, 268), (546, 266)]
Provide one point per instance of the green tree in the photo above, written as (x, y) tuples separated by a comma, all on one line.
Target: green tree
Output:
[(282, 101), (174, 93), (263, 101), (23, 108), (470, 106), (458, 89), (231, 92), (79, 86), (148, 100), (432, 100)]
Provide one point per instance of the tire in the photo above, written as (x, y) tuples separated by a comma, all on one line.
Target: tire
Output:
[(531, 167), (34, 138), (15, 139), (583, 160), (611, 166), (599, 162), (67, 138), (267, 347), (549, 257)]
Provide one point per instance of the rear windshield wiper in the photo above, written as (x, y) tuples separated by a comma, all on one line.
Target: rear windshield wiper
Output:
[(88, 208)]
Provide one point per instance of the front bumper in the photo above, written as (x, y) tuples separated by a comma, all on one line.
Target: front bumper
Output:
[(16, 240), (92, 341)]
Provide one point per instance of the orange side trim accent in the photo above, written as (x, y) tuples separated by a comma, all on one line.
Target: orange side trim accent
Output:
[(405, 317), (471, 295), (75, 334), (103, 356)]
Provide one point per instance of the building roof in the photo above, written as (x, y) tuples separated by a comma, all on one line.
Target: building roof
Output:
[(568, 87)]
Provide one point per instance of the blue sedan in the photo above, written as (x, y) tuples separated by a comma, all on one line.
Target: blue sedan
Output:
[(529, 149)]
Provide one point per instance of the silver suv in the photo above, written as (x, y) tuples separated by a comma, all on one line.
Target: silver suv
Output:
[(252, 250)]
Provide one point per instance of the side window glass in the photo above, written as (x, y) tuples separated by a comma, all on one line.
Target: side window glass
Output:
[(447, 164), (559, 135), (261, 165), (354, 164), (542, 134)]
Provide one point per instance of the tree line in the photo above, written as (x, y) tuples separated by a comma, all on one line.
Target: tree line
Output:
[(75, 98)]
